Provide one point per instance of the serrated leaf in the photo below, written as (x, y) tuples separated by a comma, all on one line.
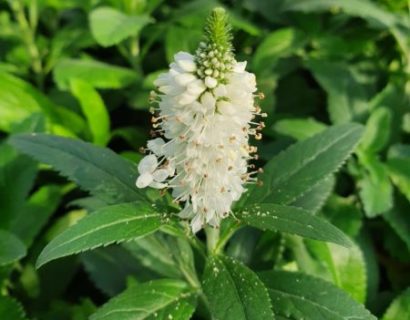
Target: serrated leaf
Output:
[(400, 307), (110, 26), (234, 292), (11, 309), (293, 220), (376, 190), (159, 299), (297, 169), (97, 74), (297, 296), (314, 199), (105, 226), (97, 170), (94, 110), (11, 248)]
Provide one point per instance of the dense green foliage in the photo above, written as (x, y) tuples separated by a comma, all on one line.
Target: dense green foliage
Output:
[(327, 236)]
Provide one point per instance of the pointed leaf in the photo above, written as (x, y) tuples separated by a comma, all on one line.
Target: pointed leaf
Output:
[(303, 165), (97, 74), (110, 26), (95, 169), (268, 216), (94, 110), (400, 307), (105, 226), (314, 199), (159, 299), (234, 292), (296, 295), (11, 248)]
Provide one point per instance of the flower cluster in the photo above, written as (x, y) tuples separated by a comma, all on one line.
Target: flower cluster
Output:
[(204, 117)]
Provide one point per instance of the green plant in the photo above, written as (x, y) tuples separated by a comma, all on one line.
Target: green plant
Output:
[(318, 240)]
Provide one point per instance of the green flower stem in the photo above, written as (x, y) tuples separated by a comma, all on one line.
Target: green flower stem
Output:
[(212, 238)]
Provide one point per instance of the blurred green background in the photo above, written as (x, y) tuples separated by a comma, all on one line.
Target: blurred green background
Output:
[(85, 68)]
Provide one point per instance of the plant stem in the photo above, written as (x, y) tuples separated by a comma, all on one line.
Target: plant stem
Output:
[(28, 35), (212, 238)]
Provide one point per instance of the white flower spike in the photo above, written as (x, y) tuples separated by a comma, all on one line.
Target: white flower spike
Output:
[(205, 111)]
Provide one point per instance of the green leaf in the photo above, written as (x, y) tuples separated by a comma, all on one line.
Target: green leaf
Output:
[(347, 98), (376, 190), (98, 170), (97, 74), (19, 100), (377, 131), (399, 172), (344, 213), (110, 26), (159, 299), (346, 266), (153, 253), (314, 199), (11, 309), (293, 220), (298, 296), (299, 168), (109, 268), (113, 224), (300, 128), (11, 249), (17, 174), (359, 8), (399, 219), (36, 212), (94, 110), (400, 307), (234, 292), (276, 45)]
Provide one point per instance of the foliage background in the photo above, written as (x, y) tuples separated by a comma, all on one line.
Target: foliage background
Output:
[(85, 68)]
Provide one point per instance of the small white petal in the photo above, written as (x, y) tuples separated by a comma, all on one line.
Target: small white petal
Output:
[(156, 146), (157, 185), (208, 101), (186, 213), (148, 164), (226, 108), (196, 87), (160, 175), (185, 61), (211, 82), (144, 180), (187, 98), (196, 223), (184, 78), (239, 66)]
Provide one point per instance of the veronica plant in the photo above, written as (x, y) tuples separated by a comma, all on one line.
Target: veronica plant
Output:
[(204, 114)]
